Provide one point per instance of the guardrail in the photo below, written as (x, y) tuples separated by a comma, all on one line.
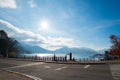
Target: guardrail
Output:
[(46, 58)]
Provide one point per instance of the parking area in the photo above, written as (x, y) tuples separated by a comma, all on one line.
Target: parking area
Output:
[(52, 71)]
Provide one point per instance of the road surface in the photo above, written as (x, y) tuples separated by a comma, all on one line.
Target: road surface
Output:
[(52, 71)]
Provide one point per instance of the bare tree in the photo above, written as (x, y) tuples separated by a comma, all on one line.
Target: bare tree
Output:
[(115, 48)]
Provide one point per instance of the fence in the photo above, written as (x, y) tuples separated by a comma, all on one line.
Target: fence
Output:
[(46, 58), (59, 58)]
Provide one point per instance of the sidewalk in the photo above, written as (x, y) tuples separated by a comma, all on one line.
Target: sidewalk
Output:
[(76, 62), (115, 69), (5, 75)]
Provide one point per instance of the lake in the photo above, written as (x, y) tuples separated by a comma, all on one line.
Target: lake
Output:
[(76, 56)]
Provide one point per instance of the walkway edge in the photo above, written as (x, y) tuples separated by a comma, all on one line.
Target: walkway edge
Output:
[(85, 63), (29, 76)]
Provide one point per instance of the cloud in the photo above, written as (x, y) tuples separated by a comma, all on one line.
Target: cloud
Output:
[(8, 4), (106, 24), (31, 38), (58, 42), (66, 13), (32, 3), (97, 26)]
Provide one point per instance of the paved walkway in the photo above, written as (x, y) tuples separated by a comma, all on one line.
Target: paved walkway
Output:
[(115, 70), (5, 75)]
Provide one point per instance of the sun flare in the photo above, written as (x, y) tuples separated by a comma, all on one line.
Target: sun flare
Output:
[(44, 25)]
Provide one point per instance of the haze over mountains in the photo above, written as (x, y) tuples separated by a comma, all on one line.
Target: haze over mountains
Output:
[(33, 49), (77, 52)]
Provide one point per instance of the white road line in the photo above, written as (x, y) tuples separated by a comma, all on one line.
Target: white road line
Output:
[(61, 68), (118, 73), (24, 65), (60, 64), (115, 71), (87, 66), (116, 78), (64, 67), (47, 67), (58, 69), (30, 76)]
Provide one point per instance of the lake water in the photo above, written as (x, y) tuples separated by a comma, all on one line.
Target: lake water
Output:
[(76, 56)]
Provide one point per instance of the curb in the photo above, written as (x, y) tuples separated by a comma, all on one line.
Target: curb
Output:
[(29, 76), (75, 63)]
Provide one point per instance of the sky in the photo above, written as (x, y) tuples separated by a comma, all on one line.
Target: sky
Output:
[(53, 24)]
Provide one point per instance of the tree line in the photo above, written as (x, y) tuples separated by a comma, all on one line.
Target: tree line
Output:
[(8, 45)]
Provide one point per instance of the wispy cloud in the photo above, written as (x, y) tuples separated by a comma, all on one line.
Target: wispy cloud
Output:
[(8, 4), (103, 24), (29, 37), (32, 3), (106, 24)]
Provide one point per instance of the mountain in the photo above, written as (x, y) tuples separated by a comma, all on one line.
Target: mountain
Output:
[(102, 51), (77, 52), (32, 49)]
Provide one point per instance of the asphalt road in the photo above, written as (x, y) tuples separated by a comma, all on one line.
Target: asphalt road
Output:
[(51, 71)]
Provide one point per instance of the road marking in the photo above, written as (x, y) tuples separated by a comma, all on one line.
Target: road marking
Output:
[(30, 76), (116, 78), (115, 71), (58, 69), (60, 64), (24, 65), (64, 67), (118, 73), (87, 66), (61, 68), (47, 67)]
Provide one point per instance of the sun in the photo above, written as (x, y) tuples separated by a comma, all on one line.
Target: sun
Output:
[(44, 25)]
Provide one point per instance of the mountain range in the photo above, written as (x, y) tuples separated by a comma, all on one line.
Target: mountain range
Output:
[(33, 49), (77, 52)]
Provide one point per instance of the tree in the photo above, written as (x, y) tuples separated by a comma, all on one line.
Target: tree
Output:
[(3, 34), (6, 44), (12, 47), (108, 55), (115, 48), (3, 42)]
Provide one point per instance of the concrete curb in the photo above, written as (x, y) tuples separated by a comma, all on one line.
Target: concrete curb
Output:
[(59, 62), (29, 76), (113, 62), (91, 63)]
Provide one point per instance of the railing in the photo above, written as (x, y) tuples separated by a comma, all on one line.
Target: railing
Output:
[(46, 58)]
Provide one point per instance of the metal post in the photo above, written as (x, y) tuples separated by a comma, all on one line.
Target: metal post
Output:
[(54, 57), (70, 56)]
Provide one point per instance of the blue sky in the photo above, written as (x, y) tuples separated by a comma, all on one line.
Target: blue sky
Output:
[(53, 24)]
